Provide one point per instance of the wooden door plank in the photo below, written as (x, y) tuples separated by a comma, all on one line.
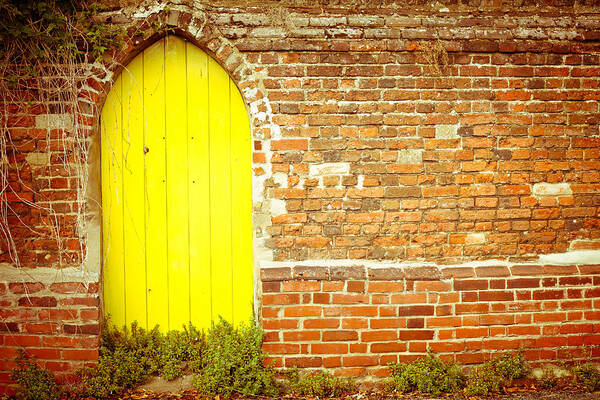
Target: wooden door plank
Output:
[(177, 182), (133, 181), (112, 205), (199, 182), (241, 186), (220, 192), (155, 193)]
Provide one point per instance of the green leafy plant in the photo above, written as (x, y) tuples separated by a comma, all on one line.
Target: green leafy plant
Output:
[(35, 383), (493, 375), (181, 350), (319, 384), (483, 380), (512, 366), (233, 362), (586, 375), (47, 51), (129, 357), (427, 375), (63, 27), (547, 378)]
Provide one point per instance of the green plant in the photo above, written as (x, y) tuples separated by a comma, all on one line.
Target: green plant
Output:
[(319, 384), (547, 379), (129, 357), (483, 380), (512, 366), (427, 375), (586, 375), (492, 375), (48, 54), (181, 350), (35, 383), (65, 27), (233, 362)]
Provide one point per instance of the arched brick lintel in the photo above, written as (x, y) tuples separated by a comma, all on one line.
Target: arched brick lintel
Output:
[(193, 26)]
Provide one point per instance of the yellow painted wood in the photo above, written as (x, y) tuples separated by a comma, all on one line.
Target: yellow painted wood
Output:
[(198, 182), (177, 182), (220, 191), (112, 200), (133, 183), (176, 192), (155, 196), (241, 227)]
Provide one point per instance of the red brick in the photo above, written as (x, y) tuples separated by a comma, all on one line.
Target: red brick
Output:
[(379, 336), (302, 311), (349, 299), (31, 301), (27, 287), (281, 348), (80, 355), (497, 319), (303, 362), (329, 348), (280, 324), (339, 336), (391, 347), (326, 323), (301, 336), (360, 361), (383, 286), (415, 310), (269, 299), (522, 283), (69, 287), (470, 284)]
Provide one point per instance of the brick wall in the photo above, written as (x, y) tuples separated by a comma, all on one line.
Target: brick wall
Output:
[(387, 137), (57, 323), (358, 319)]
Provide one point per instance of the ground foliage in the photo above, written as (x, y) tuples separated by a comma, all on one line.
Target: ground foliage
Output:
[(128, 357), (34, 383), (228, 362), (234, 362), (319, 384), (427, 375), (493, 375), (586, 375)]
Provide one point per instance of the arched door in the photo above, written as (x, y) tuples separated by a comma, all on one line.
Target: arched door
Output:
[(176, 192)]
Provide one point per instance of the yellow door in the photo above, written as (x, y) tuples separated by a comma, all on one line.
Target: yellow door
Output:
[(176, 192)]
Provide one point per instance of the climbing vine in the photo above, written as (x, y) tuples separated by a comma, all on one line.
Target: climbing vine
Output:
[(48, 52)]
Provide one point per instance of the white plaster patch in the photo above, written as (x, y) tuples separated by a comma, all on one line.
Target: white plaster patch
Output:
[(360, 183), (54, 121), (275, 131), (144, 13), (582, 257), (277, 207), (258, 184), (577, 257), (410, 156), (329, 169), (446, 132), (475, 238), (551, 189), (280, 178), (250, 93), (71, 274), (37, 159)]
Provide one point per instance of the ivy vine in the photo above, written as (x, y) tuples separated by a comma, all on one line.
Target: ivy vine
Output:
[(49, 49), (67, 27)]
